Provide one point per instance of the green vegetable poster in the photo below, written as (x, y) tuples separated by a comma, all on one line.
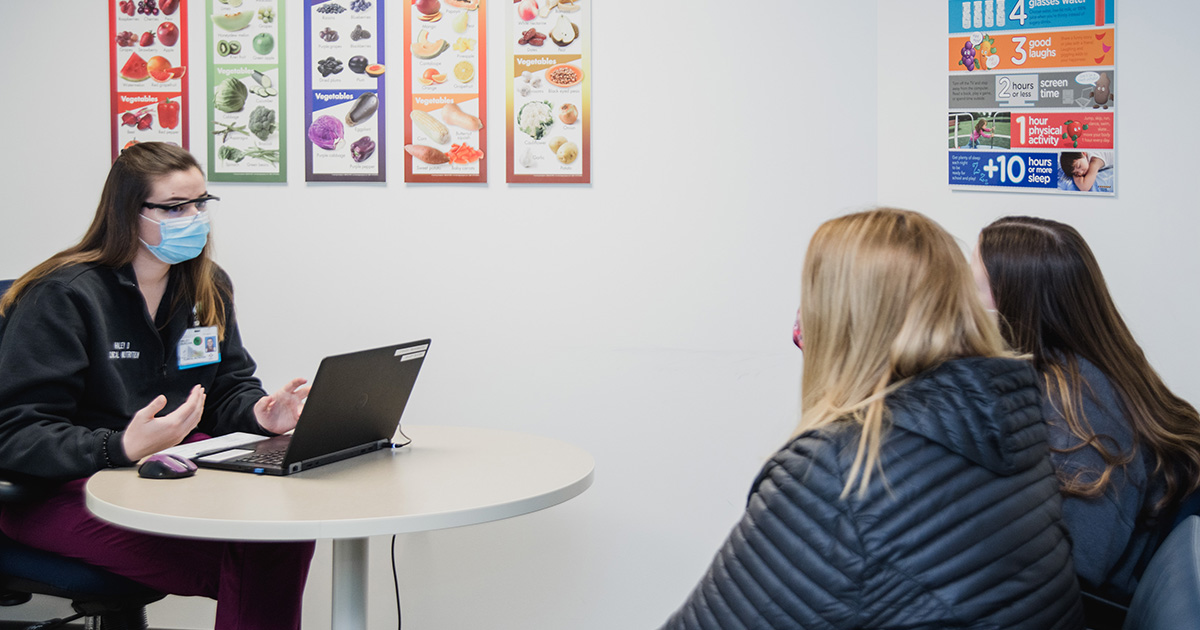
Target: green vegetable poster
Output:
[(247, 110), (148, 45), (344, 91)]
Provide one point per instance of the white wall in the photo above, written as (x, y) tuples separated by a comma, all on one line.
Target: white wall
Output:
[(645, 318), (1145, 237)]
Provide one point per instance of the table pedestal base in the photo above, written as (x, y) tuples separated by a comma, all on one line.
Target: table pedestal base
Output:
[(350, 583)]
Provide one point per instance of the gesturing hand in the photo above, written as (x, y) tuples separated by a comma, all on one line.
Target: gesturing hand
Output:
[(147, 434), (279, 412)]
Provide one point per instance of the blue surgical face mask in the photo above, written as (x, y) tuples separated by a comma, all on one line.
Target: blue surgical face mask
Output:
[(182, 239)]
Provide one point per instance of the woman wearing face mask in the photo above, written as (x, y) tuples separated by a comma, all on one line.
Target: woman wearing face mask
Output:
[(102, 365), (917, 491), (1126, 448)]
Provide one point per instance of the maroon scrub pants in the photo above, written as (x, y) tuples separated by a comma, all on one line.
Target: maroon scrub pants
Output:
[(257, 585)]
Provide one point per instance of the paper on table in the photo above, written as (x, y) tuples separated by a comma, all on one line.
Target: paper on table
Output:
[(192, 450), (232, 453)]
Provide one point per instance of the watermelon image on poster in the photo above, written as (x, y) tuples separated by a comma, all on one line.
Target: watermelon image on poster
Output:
[(135, 69)]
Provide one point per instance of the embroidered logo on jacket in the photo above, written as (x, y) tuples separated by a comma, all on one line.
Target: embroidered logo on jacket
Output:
[(121, 351)]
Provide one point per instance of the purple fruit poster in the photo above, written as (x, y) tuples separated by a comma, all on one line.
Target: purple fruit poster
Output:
[(344, 77)]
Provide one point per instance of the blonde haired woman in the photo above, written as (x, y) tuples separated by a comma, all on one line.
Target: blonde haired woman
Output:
[(918, 491)]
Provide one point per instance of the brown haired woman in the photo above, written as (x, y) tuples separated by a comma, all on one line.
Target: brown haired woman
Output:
[(1127, 450), (98, 374), (918, 491)]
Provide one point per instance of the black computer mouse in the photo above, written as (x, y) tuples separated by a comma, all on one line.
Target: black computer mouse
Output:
[(163, 466)]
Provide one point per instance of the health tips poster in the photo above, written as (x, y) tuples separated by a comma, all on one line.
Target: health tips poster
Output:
[(247, 113), (1032, 96), (148, 83), (344, 75)]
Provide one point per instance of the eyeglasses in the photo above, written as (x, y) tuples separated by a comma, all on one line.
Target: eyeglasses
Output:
[(207, 202)]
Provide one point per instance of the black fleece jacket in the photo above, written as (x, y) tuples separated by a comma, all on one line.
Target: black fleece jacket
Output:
[(963, 528), (79, 356)]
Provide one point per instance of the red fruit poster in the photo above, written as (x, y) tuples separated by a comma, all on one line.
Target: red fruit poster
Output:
[(148, 81), (445, 95), (548, 91)]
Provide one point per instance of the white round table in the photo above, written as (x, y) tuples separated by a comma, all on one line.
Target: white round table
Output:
[(447, 477)]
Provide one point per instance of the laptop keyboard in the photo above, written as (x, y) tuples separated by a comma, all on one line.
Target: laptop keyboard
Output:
[(265, 457)]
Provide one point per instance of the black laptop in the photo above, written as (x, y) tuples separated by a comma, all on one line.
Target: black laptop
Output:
[(354, 407)]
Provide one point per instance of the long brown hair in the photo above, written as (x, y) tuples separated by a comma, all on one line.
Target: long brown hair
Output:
[(112, 239), (885, 295), (1048, 289)]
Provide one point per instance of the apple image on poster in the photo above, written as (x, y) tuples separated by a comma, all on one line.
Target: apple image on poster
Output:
[(168, 33)]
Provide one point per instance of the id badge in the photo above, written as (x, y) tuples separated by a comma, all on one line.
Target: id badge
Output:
[(199, 346)]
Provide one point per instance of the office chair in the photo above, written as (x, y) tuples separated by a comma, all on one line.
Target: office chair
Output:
[(1101, 613), (1170, 582), (107, 601), (1168, 595)]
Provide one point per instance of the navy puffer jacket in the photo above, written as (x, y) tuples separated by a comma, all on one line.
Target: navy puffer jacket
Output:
[(962, 530)]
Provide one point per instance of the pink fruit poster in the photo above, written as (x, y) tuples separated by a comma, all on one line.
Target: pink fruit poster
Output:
[(148, 44), (1032, 96), (445, 91), (548, 91)]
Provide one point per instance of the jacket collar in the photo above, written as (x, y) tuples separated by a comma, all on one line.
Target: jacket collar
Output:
[(986, 409), (125, 275)]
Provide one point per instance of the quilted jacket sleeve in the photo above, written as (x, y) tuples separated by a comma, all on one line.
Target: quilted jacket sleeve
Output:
[(793, 561)]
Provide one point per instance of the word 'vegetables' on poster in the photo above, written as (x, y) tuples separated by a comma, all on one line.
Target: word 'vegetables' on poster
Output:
[(247, 112), (148, 83), (1032, 95)]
